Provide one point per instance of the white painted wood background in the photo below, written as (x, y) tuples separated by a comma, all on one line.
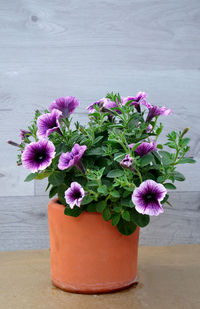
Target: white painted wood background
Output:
[(87, 48)]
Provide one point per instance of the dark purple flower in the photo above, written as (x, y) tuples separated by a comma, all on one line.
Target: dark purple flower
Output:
[(48, 123), (91, 108), (147, 198), (66, 160), (144, 148), (127, 161), (108, 104), (77, 152), (23, 134), (69, 159), (74, 195), (136, 101), (65, 105), (38, 155), (156, 111)]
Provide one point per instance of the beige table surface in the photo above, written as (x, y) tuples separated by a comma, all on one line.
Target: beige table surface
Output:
[(169, 277)]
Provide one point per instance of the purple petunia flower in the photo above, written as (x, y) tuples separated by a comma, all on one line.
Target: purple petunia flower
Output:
[(156, 111), (147, 198), (48, 123), (38, 155), (144, 148), (108, 104), (65, 105), (66, 160), (136, 101), (78, 151), (69, 159), (74, 195), (23, 134), (91, 108), (105, 103), (127, 161)]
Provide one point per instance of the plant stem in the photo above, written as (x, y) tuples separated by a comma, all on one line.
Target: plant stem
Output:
[(139, 175)]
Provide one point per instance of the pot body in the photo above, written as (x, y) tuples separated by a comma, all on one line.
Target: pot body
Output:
[(88, 254)]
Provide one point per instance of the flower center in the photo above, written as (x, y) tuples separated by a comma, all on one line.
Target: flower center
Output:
[(77, 194), (150, 197), (53, 124), (40, 156)]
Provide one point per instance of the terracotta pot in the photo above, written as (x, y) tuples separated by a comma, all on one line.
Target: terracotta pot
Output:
[(88, 254)]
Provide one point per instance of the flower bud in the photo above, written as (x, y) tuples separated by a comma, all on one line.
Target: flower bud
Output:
[(14, 144), (185, 131)]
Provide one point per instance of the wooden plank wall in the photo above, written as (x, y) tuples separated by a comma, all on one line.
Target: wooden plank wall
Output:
[(87, 48)]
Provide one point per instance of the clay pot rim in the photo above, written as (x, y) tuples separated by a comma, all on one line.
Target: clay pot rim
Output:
[(54, 202)]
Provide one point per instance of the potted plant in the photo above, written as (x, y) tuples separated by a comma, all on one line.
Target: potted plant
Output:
[(109, 178)]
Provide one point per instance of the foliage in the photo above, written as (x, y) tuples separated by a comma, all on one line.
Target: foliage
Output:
[(108, 185)]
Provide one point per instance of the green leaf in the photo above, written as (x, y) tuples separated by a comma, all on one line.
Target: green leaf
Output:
[(107, 182), (159, 146), (171, 145), (160, 179), (165, 199), (115, 193), (117, 209), (185, 141), (103, 190), (126, 228), (178, 176), (47, 187), (115, 173), (115, 219), (139, 219), (172, 136), (98, 139), (126, 216), (92, 183), (98, 151), (91, 207), (106, 214), (30, 177), (95, 114), (127, 202), (146, 159), (61, 190), (119, 156), (75, 212), (42, 175), (159, 129), (56, 178), (169, 186), (53, 192), (156, 156), (100, 206), (87, 199), (166, 157), (186, 160)]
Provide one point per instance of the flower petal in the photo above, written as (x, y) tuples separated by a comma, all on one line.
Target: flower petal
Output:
[(65, 105), (147, 197), (48, 123), (74, 195), (38, 155)]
